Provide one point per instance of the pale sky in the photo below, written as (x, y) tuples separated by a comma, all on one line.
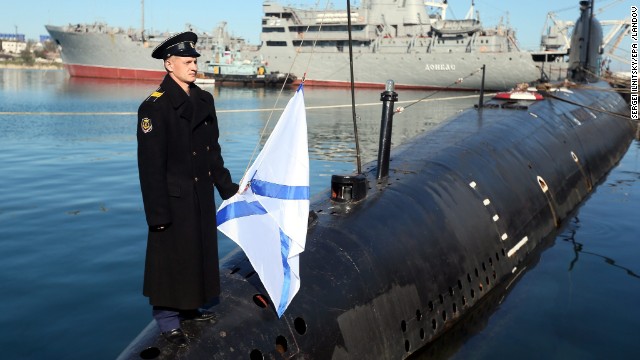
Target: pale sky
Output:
[(243, 17)]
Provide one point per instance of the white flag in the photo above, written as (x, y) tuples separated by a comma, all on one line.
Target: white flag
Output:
[(269, 219)]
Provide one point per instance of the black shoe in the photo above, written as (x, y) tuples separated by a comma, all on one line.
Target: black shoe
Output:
[(197, 315), (176, 337)]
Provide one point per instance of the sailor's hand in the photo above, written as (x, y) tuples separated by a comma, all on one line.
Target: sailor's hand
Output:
[(245, 188)]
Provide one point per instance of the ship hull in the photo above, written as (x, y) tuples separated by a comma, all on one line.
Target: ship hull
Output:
[(103, 72), (102, 55), (410, 71), (109, 55)]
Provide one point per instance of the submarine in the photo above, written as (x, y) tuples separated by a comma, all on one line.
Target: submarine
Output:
[(403, 252)]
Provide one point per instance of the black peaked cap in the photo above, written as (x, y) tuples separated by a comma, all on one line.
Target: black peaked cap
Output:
[(182, 44)]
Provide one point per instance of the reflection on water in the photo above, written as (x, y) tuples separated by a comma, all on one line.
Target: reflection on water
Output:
[(578, 248), (580, 300), (108, 88), (330, 122), (14, 80)]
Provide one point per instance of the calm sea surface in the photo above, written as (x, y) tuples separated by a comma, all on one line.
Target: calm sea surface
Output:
[(73, 233)]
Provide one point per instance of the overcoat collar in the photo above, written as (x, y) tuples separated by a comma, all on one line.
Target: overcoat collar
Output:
[(182, 104)]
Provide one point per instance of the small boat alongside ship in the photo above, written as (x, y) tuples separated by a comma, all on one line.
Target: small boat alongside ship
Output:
[(231, 68)]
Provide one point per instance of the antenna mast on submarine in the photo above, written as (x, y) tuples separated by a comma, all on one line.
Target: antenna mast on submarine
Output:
[(350, 188), (353, 99)]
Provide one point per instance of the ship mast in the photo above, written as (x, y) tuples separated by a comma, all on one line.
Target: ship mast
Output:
[(142, 16)]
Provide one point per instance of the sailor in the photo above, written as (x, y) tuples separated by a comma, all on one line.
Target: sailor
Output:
[(179, 163)]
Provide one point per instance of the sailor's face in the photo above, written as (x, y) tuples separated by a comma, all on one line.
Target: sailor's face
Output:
[(183, 69)]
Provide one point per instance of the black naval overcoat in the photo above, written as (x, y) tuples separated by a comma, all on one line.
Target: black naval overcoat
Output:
[(179, 163)]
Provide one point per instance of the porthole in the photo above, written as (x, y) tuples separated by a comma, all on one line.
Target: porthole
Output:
[(281, 344), (260, 300), (256, 355), (300, 325)]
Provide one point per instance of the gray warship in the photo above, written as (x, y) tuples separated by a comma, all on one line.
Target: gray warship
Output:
[(425, 49), (101, 51)]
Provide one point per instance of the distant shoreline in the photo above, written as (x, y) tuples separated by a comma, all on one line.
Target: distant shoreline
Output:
[(31, 67)]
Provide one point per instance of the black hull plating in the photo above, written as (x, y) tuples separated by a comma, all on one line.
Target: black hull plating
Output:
[(465, 208)]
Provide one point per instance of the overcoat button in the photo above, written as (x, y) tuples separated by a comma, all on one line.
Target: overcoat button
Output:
[(194, 153), (209, 173), (196, 179), (208, 148)]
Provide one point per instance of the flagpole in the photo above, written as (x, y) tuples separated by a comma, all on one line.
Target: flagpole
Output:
[(353, 98)]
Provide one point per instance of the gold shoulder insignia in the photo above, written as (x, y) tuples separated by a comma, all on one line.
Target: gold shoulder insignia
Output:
[(145, 125), (155, 95)]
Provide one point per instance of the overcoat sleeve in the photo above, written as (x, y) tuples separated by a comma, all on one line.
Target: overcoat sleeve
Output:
[(152, 162)]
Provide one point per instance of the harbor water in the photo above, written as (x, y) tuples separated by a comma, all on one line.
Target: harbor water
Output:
[(73, 231)]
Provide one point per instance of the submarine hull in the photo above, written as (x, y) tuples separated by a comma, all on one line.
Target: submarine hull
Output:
[(463, 211)]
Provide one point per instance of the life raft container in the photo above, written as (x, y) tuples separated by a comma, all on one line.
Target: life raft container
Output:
[(518, 95)]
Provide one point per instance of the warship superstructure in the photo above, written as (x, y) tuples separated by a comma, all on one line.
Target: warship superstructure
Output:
[(420, 48)]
